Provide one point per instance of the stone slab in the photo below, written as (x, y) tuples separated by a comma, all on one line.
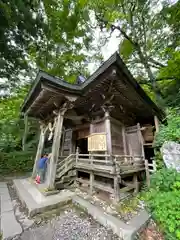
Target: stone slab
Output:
[(139, 221), (3, 185), (9, 226), (118, 227), (4, 191), (35, 201), (6, 206)]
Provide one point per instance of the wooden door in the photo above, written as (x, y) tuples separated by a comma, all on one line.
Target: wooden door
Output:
[(67, 142), (134, 141)]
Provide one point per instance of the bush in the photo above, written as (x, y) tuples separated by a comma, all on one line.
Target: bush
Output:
[(163, 200), (16, 162), (171, 131), (164, 180)]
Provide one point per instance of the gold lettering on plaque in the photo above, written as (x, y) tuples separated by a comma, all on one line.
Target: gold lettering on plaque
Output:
[(97, 142)]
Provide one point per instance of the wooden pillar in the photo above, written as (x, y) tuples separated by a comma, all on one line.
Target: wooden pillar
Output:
[(147, 173), (25, 132), (124, 140), (62, 142), (116, 188), (55, 148), (141, 141), (156, 122), (40, 148), (136, 184), (91, 128), (108, 133), (77, 156), (91, 182)]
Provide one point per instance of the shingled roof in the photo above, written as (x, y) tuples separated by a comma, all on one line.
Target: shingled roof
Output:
[(112, 77)]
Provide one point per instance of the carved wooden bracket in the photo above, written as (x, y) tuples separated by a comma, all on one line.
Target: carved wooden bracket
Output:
[(107, 109)]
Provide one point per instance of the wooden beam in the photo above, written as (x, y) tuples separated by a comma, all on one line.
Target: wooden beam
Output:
[(116, 188), (108, 133), (91, 182), (147, 173), (136, 184), (156, 122), (75, 117), (115, 121), (141, 139), (124, 140), (81, 126), (25, 132)]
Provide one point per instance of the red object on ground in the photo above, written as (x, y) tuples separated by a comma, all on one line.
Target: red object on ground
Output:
[(38, 179)]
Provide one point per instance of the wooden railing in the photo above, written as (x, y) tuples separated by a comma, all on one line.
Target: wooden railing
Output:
[(152, 167), (117, 163), (94, 158)]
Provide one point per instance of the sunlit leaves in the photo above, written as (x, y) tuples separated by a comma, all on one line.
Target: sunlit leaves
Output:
[(126, 49)]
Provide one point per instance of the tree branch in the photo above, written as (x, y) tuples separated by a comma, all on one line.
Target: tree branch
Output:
[(114, 27), (151, 60), (157, 80)]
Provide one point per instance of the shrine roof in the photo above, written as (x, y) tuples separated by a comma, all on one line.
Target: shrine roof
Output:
[(111, 80)]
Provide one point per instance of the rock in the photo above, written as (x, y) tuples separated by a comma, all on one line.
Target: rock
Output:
[(171, 155)]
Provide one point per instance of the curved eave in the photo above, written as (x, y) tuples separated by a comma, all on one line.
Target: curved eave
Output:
[(78, 90)]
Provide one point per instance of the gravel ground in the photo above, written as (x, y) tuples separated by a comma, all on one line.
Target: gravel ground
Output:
[(58, 224), (70, 225)]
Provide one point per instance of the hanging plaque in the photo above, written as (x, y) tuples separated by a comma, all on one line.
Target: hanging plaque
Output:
[(97, 142)]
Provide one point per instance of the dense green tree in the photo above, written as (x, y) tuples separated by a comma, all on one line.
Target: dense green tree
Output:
[(46, 34), (144, 31), (21, 23)]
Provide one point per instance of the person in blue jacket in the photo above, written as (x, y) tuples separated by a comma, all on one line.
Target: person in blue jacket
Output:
[(42, 164)]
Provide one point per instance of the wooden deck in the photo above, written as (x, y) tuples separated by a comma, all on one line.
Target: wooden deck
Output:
[(113, 167), (110, 164)]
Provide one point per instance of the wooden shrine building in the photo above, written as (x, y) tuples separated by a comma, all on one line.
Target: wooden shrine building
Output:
[(101, 130)]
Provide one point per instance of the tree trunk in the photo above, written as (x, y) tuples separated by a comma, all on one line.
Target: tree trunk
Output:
[(152, 79)]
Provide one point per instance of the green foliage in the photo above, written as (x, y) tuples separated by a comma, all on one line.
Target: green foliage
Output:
[(158, 159), (16, 162), (164, 202), (171, 76), (21, 23), (12, 158), (165, 180), (51, 35), (170, 131)]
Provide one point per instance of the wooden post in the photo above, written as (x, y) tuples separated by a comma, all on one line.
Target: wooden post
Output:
[(124, 140), (91, 128), (25, 132), (77, 154), (141, 139), (156, 122), (136, 184), (55, 148), (91, 182), (62, 142), (108, 133), (116, 188), (40, 148), (116, 180), (147, 173)]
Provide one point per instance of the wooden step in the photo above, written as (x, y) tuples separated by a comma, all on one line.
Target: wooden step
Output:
[(126, 189), (96, 185)]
